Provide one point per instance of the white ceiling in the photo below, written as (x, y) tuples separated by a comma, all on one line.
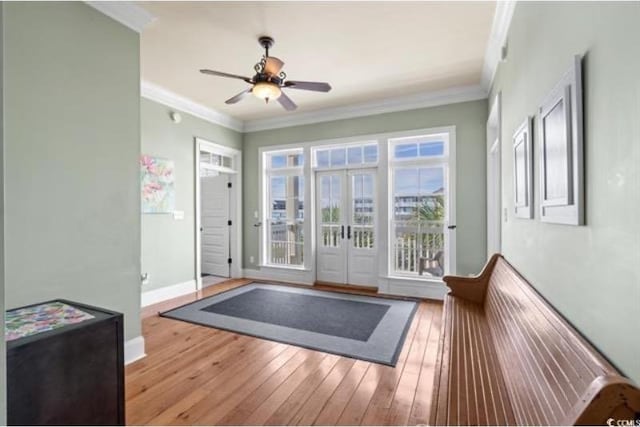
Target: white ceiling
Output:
[(367, 51)]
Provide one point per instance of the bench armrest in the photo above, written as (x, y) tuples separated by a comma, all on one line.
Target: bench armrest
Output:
[(603, 400), (472, 288)]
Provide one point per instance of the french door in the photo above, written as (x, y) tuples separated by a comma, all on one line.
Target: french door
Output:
[(346, 234)]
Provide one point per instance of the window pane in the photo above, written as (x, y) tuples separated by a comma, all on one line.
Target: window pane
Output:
[(338, 157), (287, 160), (278, 161), (431, 181), (406, 151), (354, 155), (430, 149), (370, 153), (322, 158), (285, 234)]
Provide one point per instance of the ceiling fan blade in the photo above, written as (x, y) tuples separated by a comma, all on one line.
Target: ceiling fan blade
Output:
[(221, 74), (286, 102), (314, 86), (273, 66), (239, 96)]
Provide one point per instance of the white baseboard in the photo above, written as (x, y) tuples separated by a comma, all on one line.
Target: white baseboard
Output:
[(162, 294), (300, 277), (134, 350), (412, 288)]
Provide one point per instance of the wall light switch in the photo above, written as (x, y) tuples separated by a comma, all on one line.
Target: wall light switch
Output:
[(255, 214), (178, 215), (506, 214)]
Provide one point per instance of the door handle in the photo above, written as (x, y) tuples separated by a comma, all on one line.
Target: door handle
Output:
[(342, 232), (451, 227), (348, 232)]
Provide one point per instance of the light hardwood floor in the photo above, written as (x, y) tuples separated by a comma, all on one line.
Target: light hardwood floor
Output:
[(198, 375)]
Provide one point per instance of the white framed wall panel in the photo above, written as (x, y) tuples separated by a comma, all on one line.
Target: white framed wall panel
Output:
[(523, 171), (562, 151)]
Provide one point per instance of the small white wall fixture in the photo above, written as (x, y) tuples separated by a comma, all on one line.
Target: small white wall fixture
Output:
[(523, 171), (561, 150)]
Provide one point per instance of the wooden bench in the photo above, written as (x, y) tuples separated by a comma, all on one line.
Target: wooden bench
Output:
[(507, 357)]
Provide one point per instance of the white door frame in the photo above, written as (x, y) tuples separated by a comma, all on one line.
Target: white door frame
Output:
[(494, 173), (235, 208), (346, 248)]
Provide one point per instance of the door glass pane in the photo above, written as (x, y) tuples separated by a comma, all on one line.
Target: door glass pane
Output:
[(363, 210), (330, 216)]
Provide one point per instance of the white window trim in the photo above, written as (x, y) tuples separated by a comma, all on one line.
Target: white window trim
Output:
[(264, 187), (447, 159), (386, 280)]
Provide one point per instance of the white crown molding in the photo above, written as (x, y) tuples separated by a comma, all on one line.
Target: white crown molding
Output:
[(389, 105), (125, 12), (163, 96), (497, 39)]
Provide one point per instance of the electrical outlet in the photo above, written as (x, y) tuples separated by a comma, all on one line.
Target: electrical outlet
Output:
[(506, 214), (251, 259)]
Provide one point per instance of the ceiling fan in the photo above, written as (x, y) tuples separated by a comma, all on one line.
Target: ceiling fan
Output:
[(269, 80)]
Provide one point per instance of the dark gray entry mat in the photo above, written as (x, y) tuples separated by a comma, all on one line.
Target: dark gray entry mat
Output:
[(357, 326)]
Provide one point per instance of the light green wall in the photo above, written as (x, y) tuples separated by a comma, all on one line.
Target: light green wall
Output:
[(591, 274), (470, 121), (72, 141), (168, 245)]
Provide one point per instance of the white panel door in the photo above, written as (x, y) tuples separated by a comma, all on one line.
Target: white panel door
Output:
[(362, 259), (214, 220), (346, 223), (331, 228)]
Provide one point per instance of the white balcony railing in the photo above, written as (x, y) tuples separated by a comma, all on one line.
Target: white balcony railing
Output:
[(287, 243), (418, 242)]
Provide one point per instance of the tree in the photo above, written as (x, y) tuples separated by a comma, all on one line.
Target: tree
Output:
[(431, 209)]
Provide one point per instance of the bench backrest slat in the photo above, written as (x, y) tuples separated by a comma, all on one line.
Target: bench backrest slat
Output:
[(547, 366)]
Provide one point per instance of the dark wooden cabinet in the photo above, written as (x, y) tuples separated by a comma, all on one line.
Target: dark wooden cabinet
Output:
[(73, 375)]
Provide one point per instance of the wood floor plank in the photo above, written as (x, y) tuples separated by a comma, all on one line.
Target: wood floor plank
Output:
[(380, 402), (312, 407), (342, 395), (300, 395), (302, 376), (199, 402), (195, 375), (404, 394), (421, 408), (211, 410), (174, 387), (243, 411)]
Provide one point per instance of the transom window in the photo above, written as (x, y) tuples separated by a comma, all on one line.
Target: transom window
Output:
[(347, 155), (421, 147)]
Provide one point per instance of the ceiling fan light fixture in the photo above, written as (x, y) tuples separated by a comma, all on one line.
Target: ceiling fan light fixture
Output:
[(266, 91)]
